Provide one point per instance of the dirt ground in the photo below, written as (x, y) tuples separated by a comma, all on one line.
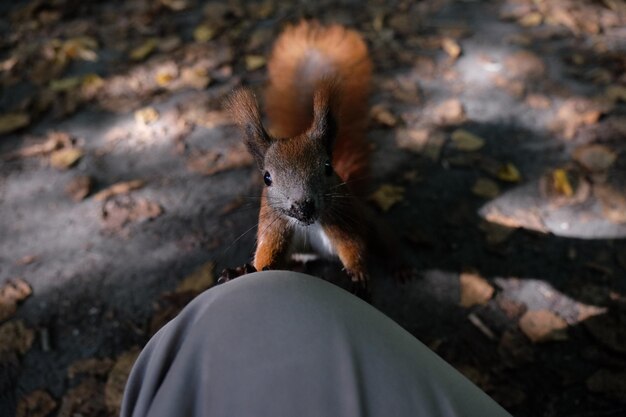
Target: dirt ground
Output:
[(498, 131)]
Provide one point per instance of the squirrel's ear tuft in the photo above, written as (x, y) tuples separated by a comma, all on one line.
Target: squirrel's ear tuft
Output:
[(325, 105), (245, 111)]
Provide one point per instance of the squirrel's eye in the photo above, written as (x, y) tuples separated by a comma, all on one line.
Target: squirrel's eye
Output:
[(328, 168), (267, 178)]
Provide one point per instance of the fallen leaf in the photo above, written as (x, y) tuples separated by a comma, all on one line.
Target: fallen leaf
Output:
[(175, 5), (26, 260), (147, 115), (496, 234), (197, 78), (10, 122), (434, 146), (475, 290), (65, 84), (65, 158), (609, 382), (531, 19), (144, 50), (164, 77), (114, 388), (199, 280), (254, 62), (203, 33), (79, 187), (117, 212), (543, 326), (90, 366), (538, 101), (451, 47), (595, 158), (450, 112), (511, 308), (608, 330), (383, 116), (211, 162), (615, 93), (509, 173), (414, 140), (528, 218), (484, 187), (613, 202), (54, 140), (36, 404), (123, 187), (467, 141), (387, 196), (11, 293), (565, 186), (524, 64), (15, 336), (85, 399), (575, 113)]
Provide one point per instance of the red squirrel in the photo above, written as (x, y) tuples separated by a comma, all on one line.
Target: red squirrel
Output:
[(315, 149)]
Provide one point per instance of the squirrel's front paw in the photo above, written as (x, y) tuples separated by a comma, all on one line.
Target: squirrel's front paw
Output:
[(360, 284), (229, 274)]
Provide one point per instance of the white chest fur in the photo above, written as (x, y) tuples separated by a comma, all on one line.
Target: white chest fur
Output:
[(314, 237)]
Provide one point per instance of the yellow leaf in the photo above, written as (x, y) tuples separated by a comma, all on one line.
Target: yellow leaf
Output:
[(203, 33), (466, 141), (509, 172), (65, 84), (561, 183), (254, 62), (387, 196), (531, 19), (146, 115), (11, 122), (484, 187), (65, 158), (163, 78), (142, 51), (199, 280), (451, 47)]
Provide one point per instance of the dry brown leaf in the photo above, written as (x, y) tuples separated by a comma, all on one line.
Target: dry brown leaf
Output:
[(85, 399), (575, 113), (467, 141), (595, 158), (538, 101), (613, 202), (36, 404), (484, 187), (199, 280), (15, 336), (114, 388), (414, 140), (55, 140), (10, 122), (451, 47), (387, 196), (496, 234), (383, 116), (609, 330), (609, 382), (144, 50), (450, 112), (79, 187), (65, 158), (543, 326), (119, 211), (90, 366), (196, 77), (124, 187), (509, 173), (528, 218), (11, 293), (475, 290), (254, 62), (211, 162), (146, 116), (531, 19), (524, 64), (203, 33), (176, 5)]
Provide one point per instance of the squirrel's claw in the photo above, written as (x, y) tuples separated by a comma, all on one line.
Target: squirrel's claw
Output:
[(229, 274)]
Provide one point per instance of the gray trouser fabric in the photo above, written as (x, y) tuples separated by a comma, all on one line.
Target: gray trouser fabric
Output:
[(281, 343)]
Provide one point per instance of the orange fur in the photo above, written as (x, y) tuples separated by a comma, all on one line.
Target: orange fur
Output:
[(306, 56)]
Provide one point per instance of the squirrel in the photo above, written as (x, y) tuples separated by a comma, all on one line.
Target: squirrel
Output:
[(315, 151)]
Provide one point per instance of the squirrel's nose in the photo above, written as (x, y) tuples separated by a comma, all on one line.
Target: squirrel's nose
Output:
[(304, 210)]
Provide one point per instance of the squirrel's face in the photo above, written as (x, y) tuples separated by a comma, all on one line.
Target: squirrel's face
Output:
[(299, 177), (297, 171)]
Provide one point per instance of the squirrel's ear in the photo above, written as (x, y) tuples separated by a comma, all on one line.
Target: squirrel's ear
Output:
[(325, 104), (245, 111)]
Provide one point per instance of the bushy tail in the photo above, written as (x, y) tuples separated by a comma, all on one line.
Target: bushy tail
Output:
[(305, 55)]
